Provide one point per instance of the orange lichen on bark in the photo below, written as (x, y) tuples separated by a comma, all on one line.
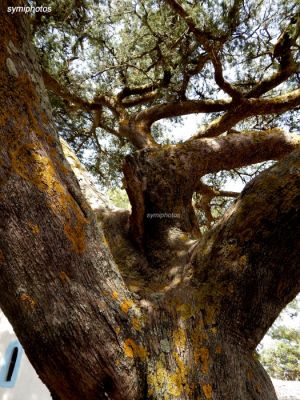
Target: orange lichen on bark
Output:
[(35, 229), (115, 295), (182, 374), (126, 305), (132, 349), (31, 163), (28, 300), (207, 390)]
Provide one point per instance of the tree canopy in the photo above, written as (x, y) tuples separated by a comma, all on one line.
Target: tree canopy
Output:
[(116, 69)]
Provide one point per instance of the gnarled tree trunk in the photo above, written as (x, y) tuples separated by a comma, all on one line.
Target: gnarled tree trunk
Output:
[(141, 306)]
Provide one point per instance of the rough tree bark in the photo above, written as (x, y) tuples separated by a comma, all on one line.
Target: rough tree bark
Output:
[(141, 306)]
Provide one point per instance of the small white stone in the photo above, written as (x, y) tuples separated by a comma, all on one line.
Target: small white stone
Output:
[(11, 68), (12, 47)]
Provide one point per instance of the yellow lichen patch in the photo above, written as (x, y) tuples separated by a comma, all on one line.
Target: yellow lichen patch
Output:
[(35, 229), (174, 386), (185, 311), (117, 330), (182, 373), (31, 163), (136, 323), (207, 390), (163, 383), (126, 305), (169, 384), (132, 349), (157, 380), (63, 277), (179, 338), (28, 300), (115, 295)]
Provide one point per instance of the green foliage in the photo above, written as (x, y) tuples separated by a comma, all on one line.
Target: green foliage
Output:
[(98, 47), (282, 359), (119, 198)]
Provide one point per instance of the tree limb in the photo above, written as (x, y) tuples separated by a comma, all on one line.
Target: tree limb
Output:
[(248, 108), (202, 37), (211, 43), (168, 110), (132, 102), (219, 78), (53, 85), (211, 192), (237, 150), (144, 89), (257, 241), (273, 81), (138, 137)]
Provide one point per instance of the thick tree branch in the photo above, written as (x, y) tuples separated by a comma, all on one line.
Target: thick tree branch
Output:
[(140, 138), (273, 81), (211, 192), (275, 105), (53, 85), (239, 150), (137, 100), (255, 248), (168, 110), (182, 166), (248, 108)]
